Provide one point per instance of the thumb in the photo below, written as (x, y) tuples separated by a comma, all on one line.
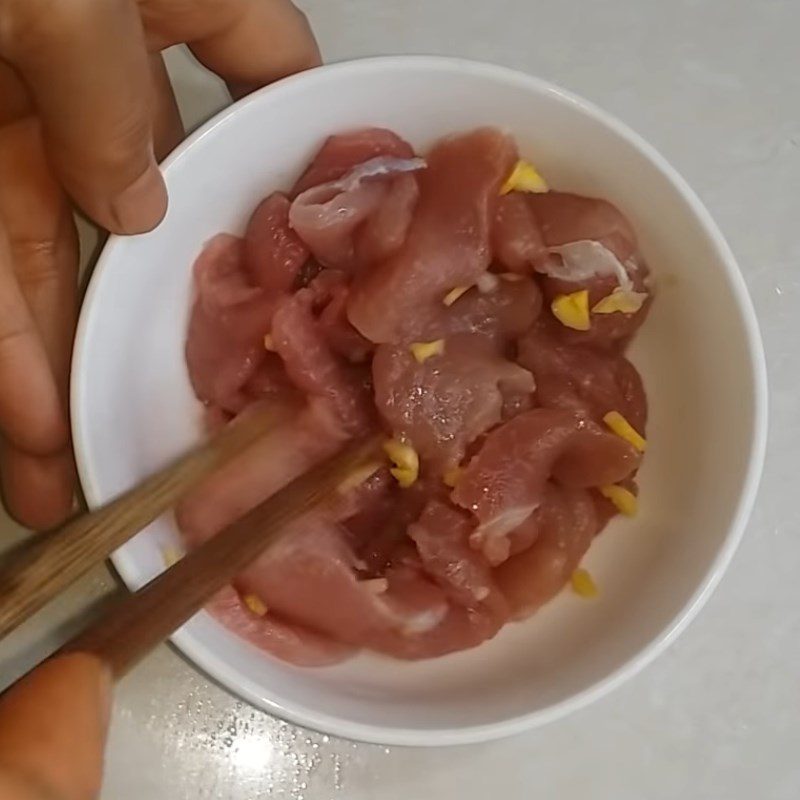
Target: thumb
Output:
[(87, 68), (53, 726)]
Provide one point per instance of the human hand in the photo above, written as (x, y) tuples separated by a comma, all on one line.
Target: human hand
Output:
[(85, 109), (53, 727)]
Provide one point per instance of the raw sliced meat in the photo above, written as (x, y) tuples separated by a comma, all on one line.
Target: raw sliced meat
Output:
[(567, 522), (227, 325), (571, 220), (402, 293), (517, 242), (273, 253), (448, 241), (500, 314), (329, 217), (505, 481), (445, 403), (285, 641), (330, 294), (583, 380), (378, 530), (317, 557), (461, 629), (314, 368), (442, 537), (340, 153), (386, 229), (565, 218)]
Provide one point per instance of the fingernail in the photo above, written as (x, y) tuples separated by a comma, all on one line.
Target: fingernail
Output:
[(142, 205)]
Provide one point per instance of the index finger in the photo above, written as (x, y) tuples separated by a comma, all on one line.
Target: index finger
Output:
[(248, 43), (31, 412), (86, 66)]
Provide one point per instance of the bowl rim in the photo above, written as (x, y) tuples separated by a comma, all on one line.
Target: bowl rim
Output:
[(216, 666)]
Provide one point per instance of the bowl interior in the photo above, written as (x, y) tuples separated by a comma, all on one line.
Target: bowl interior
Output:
[(133, 408)]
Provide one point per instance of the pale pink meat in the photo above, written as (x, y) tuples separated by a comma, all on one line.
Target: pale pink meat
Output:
[(505, 481), (385, 231), (461, 629), (345, 279), (442, 535), (335, 599), (331, 290), (567, 218), (445, 403), (227, 325), (566, 523), (284, 640), (273, 253), (340, 153), (314, 368), (499, 314), (587, 381), (365, 214), (516, 239), (448, 241)]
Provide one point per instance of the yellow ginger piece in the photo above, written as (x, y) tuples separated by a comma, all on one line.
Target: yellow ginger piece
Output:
[(620, 300), (255, 604), (406, 461), (583, 584), (452, 476), (524, 178), (572, 310), (619, 425), (624, 500), (422, 351), (454, 294)]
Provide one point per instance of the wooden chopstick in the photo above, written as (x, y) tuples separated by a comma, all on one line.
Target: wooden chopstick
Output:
[(136, 624), (38, 570)]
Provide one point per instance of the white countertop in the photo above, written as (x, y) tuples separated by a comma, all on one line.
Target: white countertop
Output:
[(715, 85)]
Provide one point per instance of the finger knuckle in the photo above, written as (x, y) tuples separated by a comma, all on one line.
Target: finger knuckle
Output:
[(36, 260)]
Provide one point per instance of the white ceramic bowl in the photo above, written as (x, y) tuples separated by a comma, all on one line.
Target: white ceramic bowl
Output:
[(700, 355)]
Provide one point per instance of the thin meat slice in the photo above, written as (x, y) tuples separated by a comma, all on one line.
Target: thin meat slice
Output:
[(288, 642), (336, 408), (377, 530), (329, 217), (460, 629), (593, 247), (311, 577), (331, 291), (442, 535), (565, 218), (273, 253), (586, 381), (340, 153), (385, 231), (449, 400), (499, 313), (448, 241), (566, 522), (505, 481), (517, 241), (313, 367), (229, 319)]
